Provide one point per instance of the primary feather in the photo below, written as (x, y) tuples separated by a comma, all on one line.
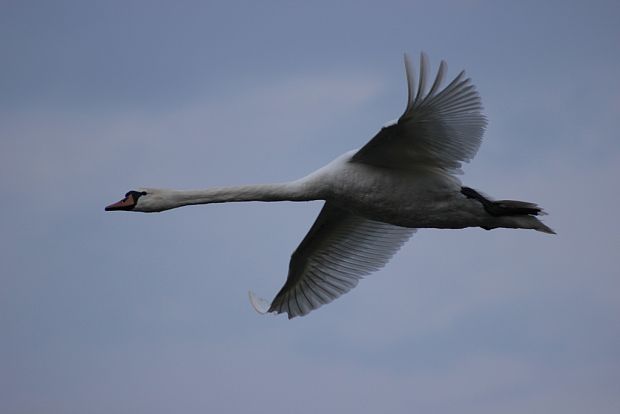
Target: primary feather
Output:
[(438, 129)]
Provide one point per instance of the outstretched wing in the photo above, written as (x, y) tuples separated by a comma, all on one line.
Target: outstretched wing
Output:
[(339, 250), (439, 129)]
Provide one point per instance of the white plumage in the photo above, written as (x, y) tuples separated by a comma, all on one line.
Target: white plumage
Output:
[(375, 197)]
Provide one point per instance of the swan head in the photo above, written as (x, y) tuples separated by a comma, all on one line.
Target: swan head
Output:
[(145, 200), (129, 203)]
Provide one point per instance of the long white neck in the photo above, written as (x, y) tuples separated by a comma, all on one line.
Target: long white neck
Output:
[(259, 192), (161, 199)]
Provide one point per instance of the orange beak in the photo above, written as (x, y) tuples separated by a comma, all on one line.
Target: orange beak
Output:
[(126, 203)]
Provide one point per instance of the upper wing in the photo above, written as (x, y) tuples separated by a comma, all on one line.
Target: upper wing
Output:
[(439, 128), (339, 249)]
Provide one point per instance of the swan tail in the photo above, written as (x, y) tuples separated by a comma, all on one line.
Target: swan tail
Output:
[(521, 213), (259, 304), (542, 227)]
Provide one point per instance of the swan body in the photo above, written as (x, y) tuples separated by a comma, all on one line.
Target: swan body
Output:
[(375, 197)]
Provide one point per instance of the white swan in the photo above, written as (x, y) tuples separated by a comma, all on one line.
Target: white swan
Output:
[(375, 197)]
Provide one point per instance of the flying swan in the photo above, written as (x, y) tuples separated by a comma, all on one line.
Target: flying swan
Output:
[(376, 197)]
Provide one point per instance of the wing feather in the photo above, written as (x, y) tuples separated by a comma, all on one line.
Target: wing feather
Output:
[(440, 129), (339, 250), (422, 82)]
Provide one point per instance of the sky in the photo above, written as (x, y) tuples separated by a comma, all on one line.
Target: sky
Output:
[(148, 313)]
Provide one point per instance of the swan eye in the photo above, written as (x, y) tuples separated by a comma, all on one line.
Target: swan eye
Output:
[(135, 194)]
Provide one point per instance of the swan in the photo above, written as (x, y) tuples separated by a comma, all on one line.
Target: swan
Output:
[(375, 197)]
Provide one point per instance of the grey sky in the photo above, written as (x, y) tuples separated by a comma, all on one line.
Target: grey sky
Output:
[(135, 313)]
